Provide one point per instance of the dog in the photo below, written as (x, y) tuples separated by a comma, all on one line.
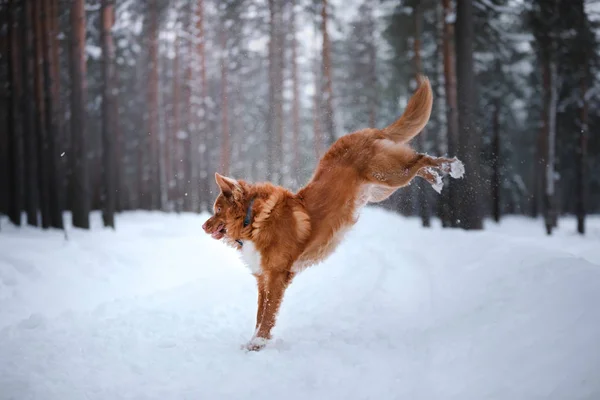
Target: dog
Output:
[(279, 233)]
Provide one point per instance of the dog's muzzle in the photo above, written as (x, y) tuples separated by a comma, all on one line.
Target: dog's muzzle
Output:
[(214, 229)]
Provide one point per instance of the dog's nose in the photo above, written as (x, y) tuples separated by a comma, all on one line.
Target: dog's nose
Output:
[(204, 226)]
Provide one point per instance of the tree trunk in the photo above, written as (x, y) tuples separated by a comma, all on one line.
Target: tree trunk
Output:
[(172, 143), (225, 146), (373, 99), (279, 94), (316, 111), (582, 174), (14, 143), (275, 118), (423, 197), (154, 150), (295, 97), (204, 201), (582, 151), (121, 187), (496, 157), (108, 119), (450, 196), (80, 190), (59, 123), (551, 103), (163, 134), (40, 117), (327, 84), (189, 129), (470, 212), (50, 100), (27, 115)]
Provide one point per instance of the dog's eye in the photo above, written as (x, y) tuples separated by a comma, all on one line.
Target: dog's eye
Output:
[(218, 210)]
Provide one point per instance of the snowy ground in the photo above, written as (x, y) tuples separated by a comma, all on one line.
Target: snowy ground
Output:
[(158, 310)]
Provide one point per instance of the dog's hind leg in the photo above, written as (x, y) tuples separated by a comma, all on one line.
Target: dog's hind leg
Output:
[(398, 173), (395, 165)]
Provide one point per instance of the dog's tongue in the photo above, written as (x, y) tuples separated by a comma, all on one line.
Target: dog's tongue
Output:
[(217, 235)]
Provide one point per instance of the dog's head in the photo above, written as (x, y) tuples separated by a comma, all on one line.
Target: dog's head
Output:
[(229, 209)]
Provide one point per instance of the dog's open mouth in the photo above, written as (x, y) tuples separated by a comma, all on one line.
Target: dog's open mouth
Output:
[(219, 232)]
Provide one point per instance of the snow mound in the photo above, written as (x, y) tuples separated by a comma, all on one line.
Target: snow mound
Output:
[(159, 310)]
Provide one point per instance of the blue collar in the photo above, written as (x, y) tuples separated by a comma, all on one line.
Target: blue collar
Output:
[(248, 213), (247, 220)]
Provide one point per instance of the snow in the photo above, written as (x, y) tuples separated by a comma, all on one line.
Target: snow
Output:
[(457, 169), (159, 310), (94, 52)]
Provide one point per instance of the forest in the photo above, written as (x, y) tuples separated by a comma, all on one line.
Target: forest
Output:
[(119, 105)]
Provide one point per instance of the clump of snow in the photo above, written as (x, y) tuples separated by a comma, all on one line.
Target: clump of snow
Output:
[(457, 169), (159, 310)]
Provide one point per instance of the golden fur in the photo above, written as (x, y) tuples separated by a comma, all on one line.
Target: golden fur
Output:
[(292, 231)]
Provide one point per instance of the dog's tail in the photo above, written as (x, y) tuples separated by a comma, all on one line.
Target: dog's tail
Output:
[(415, 116)]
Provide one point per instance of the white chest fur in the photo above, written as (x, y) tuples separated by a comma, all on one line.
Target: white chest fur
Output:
[(251, 257)]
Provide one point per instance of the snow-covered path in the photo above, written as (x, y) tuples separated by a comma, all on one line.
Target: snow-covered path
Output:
[(158, 310)]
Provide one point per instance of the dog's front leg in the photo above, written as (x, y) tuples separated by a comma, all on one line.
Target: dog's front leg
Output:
[(260, 283), (275, 283)]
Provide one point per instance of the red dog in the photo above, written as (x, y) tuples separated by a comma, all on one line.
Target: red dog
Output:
[(280, 233)]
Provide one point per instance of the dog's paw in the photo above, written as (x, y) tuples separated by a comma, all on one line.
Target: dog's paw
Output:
[(439, 183), (457, 168), (255, 344)]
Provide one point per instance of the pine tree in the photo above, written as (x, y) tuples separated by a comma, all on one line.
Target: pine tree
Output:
[(43, 136), (108, 114), (50, 115), (14, 133), (469, 205), (418, 24), (327, 90), (80, 202)]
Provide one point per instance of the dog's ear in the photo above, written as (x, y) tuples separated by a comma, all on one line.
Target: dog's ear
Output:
[(229, 186)]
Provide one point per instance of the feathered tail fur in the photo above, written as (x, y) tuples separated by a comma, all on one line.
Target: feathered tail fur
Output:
[(415, 116)]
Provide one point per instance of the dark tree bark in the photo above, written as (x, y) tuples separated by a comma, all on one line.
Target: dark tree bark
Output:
[(79, 165), (582, 174), (327, 81), (120, 184), (59, 123), (27, 115), (450, 196), (470, 213), (582, 151), (550, 104), (14, 143), (108, 117), (50, 116), (423, 197), (5, 100), (40, 117), (496, 157)]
